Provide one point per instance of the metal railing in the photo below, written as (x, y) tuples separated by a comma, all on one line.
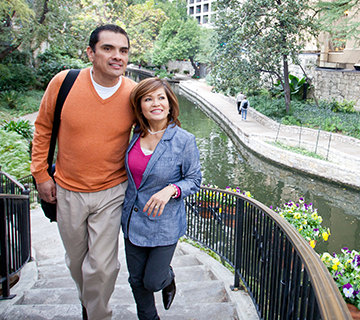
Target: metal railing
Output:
[(15, 243), (28, 183), (282, 273)]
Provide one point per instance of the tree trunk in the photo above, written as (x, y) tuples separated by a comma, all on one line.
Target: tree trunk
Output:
[(286, 84), (196, 68)]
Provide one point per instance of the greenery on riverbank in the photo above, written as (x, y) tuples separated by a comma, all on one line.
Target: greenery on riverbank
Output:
[(302, 151), (329, 116)]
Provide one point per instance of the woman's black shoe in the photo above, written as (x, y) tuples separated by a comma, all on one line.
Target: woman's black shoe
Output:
[(84, 313), (168, 294)]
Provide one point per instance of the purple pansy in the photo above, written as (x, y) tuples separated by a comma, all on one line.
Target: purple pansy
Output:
[(348, 290)]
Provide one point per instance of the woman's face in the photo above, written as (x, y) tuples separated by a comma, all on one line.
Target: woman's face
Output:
[(155, 106)]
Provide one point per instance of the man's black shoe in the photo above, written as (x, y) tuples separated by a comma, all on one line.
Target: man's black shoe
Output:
[(168, 294)]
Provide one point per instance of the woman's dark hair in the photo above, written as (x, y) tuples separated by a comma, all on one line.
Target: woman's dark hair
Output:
[(145, 87), (94, 37)]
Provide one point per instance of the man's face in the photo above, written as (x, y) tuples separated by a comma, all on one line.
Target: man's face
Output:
[(110, 58)]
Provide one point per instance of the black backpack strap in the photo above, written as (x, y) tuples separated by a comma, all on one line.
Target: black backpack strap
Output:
[(63, 92)]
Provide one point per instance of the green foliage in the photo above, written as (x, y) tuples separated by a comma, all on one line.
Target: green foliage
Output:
[(14, 154), (52, 63), (143, 29), (10, 98), (296, 87), (344, 106), (162, 73), (306, 113), (17, 77), (20, 126), (28, 102), (302, 151)]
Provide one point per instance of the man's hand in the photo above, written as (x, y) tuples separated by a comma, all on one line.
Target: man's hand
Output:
[(47, 191)]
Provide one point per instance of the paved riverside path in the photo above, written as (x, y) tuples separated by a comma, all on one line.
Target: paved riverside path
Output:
[(46, 290)]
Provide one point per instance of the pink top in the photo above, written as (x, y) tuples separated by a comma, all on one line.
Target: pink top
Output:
[(138, 162)]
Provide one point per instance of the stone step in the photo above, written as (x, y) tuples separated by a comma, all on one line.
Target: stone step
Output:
[(205, 311), (187, 293), (183, 274)]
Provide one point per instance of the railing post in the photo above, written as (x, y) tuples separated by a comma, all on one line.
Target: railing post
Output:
[(4, 265), (238, 240)]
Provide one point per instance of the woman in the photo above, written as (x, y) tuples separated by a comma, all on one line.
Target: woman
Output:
[(163, 167)]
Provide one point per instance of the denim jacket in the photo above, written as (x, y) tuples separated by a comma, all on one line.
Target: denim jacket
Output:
[(175, 160)]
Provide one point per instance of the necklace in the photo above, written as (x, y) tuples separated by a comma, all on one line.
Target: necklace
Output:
[(155, 131)]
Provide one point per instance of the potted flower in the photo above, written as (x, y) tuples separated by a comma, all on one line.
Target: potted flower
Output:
[(304, 218), (345, 270)]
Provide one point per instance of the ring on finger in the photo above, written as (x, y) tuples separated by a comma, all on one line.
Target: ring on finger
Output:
[(156, 207)]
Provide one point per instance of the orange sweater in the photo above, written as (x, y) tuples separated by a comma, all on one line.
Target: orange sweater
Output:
[(93, 135)]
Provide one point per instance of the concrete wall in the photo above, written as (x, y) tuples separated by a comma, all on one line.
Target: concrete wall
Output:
[(340, 84)]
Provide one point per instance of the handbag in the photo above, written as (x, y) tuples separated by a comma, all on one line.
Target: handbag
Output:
[(50, 208)]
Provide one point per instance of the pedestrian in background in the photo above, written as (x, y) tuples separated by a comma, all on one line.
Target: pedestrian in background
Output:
[(244, 108), (239, 98)]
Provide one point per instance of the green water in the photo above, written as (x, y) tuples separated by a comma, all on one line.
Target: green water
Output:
[(226, 162)]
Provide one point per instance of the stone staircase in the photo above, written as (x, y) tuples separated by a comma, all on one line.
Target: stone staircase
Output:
[(203, 290)]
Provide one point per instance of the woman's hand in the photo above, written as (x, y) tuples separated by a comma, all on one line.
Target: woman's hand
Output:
[(157, 202)]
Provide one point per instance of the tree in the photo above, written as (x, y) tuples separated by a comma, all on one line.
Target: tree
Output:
[(143, 26), (181, 40), (30, 23), (341, 19), (256, 41)]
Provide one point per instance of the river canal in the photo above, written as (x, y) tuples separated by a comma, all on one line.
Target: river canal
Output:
[(226, 162)]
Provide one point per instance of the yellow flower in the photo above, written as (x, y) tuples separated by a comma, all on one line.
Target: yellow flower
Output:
[(335, 262), (301, 227), (314, 216), (297, 215), (328, 231), (325, 236), (320, 219), (304, 222), (247, 193), (312, 243)]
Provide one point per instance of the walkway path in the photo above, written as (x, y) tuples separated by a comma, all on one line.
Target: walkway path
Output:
[(46, 291)]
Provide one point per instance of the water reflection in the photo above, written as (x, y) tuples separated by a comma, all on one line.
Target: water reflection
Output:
[(226, 162)]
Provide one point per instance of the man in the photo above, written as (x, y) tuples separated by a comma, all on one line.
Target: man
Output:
[(90, 176), (244, 107), (239, 98)]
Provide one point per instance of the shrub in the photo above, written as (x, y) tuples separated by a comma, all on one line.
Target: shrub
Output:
[(162, 73), (10, 98), (186, 71), (20, 126), (17, 77), (52, 63), (14, 155)]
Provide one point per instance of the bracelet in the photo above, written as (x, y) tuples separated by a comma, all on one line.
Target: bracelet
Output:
[(176, 191)]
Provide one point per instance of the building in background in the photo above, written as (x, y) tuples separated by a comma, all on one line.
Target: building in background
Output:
[(201, 10)]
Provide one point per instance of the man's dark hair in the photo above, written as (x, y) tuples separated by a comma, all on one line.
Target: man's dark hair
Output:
[(94, 37)]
